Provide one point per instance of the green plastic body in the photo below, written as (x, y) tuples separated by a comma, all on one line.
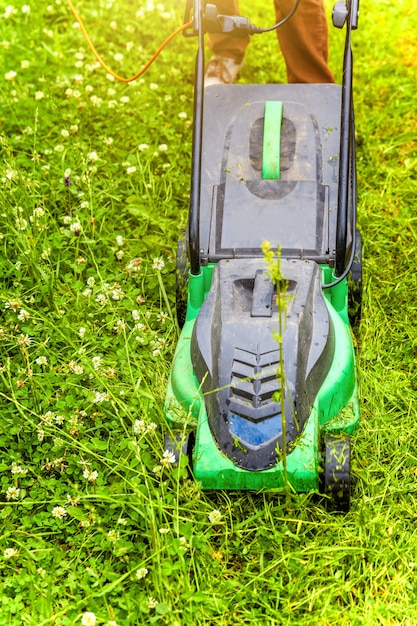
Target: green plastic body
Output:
[(335, 410)]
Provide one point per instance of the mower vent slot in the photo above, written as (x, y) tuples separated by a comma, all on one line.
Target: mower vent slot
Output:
[(253, 385)]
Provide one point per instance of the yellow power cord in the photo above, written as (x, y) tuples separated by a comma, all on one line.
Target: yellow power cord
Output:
[(106, 67)]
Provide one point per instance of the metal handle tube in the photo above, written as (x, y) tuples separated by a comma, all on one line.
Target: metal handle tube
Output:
[(345, 154), (195, 190)]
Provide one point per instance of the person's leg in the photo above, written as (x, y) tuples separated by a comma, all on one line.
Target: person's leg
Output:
[(224, 45), (304, 41)]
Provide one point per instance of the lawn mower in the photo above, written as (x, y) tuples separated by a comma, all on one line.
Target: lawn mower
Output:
[(263, 391)]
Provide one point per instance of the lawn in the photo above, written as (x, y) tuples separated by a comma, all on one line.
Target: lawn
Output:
[(96, 525)]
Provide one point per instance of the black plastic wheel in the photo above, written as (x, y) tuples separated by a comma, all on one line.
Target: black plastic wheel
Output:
[(181, 283), (355, 284), (178, 443), (337, 472)]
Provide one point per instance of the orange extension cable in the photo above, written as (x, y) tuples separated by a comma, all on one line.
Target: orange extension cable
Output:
[(105, 66)]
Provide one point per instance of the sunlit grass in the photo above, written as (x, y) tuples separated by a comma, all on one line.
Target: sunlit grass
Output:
[(95, 523)]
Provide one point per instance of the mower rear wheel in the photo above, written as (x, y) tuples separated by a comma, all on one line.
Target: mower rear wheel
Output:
[(337, 472)]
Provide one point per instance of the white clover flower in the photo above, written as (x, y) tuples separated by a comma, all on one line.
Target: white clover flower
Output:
[(168, 458), (143, 146), (100, 397), (91, 281), (59, 512), (10, 553), (158, 264), (17, 469), (88, 619), (24, 340), (65, 132), (122, 521), (131, 169), (113, 536), (21, 223), (59, 148), (38, 212), (10, 75), (164, 531), (101, 299), (119, 327), (39, 95), (76, 368), (154, 86), (96, 362), (90, 475), (75, 228), (73, 500), (26, 9), (117, 293), (215, 517), (12, 174), (163, 147), (23, 315), (81, 332), (108, 141), (142, 572), (182, 115), (139, 427), (96, 102), (9, 11), (124, 99), (41, 360), (48, 418), (92, 156), (152, 602), (162, 317)]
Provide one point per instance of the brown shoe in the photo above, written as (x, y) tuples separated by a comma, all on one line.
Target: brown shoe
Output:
[(221, 70)]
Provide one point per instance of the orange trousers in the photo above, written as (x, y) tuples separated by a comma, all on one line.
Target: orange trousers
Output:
[(303, 40)]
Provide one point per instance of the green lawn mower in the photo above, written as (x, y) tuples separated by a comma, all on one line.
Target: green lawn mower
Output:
[(263, 392)]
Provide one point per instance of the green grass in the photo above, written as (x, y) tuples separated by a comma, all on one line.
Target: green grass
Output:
[(81, 424)]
